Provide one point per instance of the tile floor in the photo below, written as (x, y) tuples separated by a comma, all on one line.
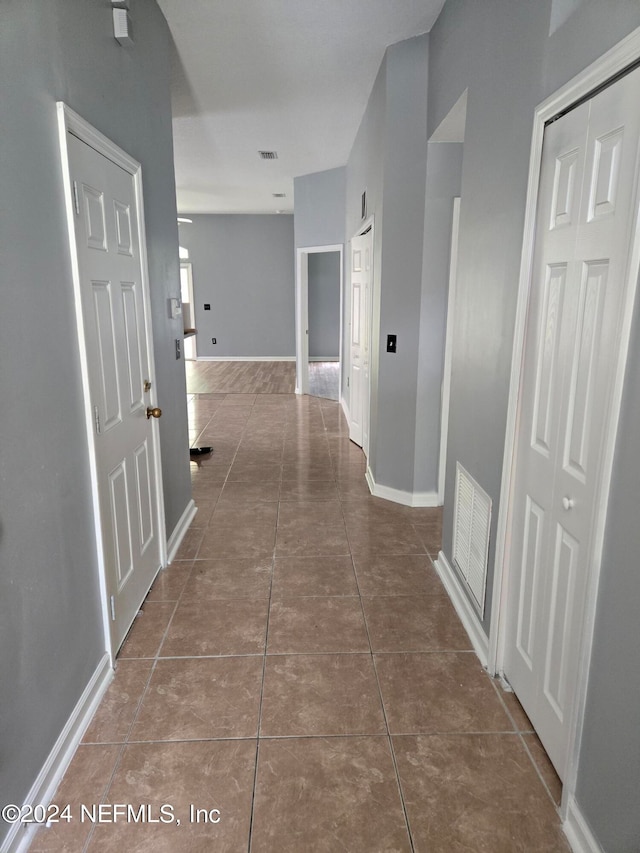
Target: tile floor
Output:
[(300, 669), (324, 379)]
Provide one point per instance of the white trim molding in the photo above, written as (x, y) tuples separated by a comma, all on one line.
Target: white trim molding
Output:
[(463, 607), (398, 496), (180, 530), (345, 409), (448, 349), (577, 830), (21, 835), (612, 63)]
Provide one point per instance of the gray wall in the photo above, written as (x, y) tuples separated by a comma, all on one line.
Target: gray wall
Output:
[(402, 242), (319, 201), (389, 161), (504, 53), (243, 266), (324, 304), (51, 636), (365, 172), (609, 776)]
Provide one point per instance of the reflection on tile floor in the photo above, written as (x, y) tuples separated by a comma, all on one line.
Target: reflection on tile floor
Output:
[(300, 670)]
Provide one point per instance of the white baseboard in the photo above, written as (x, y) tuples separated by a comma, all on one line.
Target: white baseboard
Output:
[(577, 830), (345, 410), (414, 499), (246, 358), (463, 608), (324, 358), (180, 530), (21, 835)]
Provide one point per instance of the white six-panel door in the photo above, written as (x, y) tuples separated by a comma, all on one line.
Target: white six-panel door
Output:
[(114, 314), (586, 207)]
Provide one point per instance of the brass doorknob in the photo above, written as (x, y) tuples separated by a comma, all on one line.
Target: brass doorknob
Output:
[(154, 413)]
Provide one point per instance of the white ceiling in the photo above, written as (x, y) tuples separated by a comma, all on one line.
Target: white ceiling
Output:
[(291, 76)]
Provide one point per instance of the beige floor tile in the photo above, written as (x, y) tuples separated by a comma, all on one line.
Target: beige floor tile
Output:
[(311, 540), (397, 575), (249, 473), (436, 692), (219, 627), (545, 767), (112, 721), (240, 540), (419, 623), (311, 528), (295, 576), (522, 722), (190, 543), (85, 783), (147, 631), (200, 699), (308, 490), (475, 792), (315, 625), (240, 493), (284, 504), (307, 470), (248, 514), (325, 795), (311, 695), (170, 582), (210, 775), (388, 537), (230, 578)]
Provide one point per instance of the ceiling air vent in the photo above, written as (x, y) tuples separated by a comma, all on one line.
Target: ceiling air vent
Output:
[(279, 195), (268, 155)]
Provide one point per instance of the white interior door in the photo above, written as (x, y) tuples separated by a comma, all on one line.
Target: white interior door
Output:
[(120, 371), (359, 338), (587, 204)]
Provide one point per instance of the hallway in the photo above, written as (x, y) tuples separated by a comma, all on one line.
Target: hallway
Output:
[(300, 668)]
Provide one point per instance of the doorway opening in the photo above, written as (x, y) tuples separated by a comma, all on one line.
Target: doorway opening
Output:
[(188, 310), (323, 286), (319, 299)]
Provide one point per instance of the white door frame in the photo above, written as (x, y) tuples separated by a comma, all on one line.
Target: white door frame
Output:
[(69, 121), (448, 350), (302, 313), (598, 73)]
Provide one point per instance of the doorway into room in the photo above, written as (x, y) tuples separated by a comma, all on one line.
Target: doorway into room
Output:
[(323, 287), (319, 298)]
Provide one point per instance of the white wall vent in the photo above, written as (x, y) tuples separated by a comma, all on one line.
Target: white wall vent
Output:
[(471, 526), (268, 155)]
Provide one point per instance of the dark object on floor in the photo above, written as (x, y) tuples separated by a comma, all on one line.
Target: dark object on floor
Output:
[(200, 451)]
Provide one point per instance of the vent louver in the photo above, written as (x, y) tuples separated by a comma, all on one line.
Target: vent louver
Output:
[(279, 195), (268, 155), (471, 526)]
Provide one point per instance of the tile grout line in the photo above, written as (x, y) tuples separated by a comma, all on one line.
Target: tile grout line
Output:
[(384, 712), (264, 660), (521, 733)]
